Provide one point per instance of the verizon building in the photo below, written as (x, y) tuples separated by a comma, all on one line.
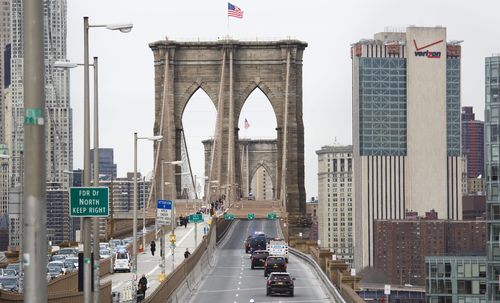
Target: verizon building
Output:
[(406, 129)]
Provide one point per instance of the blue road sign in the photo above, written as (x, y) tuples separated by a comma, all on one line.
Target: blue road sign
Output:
[(164, 204), (164, 212)]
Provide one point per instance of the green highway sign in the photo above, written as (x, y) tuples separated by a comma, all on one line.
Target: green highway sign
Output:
[(89, 202), (228, 216), (195, 218), (271, 216), (251, 216)]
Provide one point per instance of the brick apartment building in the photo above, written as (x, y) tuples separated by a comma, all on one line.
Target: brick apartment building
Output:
[(400, 246)]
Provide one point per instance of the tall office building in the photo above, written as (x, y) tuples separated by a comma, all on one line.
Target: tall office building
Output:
[(473, 143), (4, 59), (58, 115), (336, 209), (492, 150), (406, 129), (58, 219), (107, 167), (4, 199)]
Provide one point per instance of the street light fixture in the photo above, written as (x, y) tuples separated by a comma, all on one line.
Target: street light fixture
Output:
[(123, 27), (154, 139), (87, 274)]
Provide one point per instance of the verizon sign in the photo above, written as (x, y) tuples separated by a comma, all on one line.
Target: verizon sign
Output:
[(423, 51)]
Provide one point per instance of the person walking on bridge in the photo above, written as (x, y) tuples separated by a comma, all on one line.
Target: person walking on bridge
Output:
[(141, 288), (153, 247), (187, 253)]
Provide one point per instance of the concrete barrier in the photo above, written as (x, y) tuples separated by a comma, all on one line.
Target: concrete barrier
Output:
[(66, 296)]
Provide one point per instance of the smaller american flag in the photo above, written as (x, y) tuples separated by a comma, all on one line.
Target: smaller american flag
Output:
[(234, 11), (247, 125)]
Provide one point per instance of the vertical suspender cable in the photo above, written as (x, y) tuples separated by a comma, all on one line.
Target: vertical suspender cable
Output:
[(285, 134), (230, 147), (162, 115), (218, 128)]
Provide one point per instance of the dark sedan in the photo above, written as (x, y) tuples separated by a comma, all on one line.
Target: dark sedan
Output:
[(258, 258), (279, 282)]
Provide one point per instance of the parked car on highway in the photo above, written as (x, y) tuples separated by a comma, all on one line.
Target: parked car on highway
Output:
[(121, 248), (103, 245), (68, 252), (104, 253), (115, 242), (14, 266), (58, 258), (274, 264), (280, 282), (70, 265), (122, 262), (258, 258), (73, 260), (8, 272), (53, 272), (9, 283), (58, 264)]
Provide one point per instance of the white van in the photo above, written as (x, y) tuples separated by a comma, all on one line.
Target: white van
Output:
[(278, 248), (122, 261)]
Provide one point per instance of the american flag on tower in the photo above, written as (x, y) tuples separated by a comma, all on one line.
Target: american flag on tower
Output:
[(234, 11), (247, 125)]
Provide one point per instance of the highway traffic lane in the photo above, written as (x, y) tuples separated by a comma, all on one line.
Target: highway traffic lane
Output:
[(233, 280)]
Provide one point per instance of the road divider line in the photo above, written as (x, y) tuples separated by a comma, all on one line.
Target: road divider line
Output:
[(117, 285), (153, 270)]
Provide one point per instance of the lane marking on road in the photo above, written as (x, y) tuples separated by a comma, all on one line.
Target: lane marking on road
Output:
[(117, 285), (237, 295), (228, 290), (153, 270)]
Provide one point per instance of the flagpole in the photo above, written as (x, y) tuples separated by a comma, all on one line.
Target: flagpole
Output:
[(227, 28)]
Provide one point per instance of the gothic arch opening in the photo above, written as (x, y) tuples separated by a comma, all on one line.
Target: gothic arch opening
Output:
[(198, 123), (257, 136), (260, 116)]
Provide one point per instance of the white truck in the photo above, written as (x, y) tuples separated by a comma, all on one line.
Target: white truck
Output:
[(278, 248)]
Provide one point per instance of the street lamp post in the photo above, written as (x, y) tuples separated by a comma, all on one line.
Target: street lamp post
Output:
[(35, 241), (134, 202), (87, 274), (143, 216), (172, 219), (95, 221)]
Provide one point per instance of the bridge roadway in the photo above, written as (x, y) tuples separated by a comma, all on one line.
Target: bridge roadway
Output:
[(232, 279)]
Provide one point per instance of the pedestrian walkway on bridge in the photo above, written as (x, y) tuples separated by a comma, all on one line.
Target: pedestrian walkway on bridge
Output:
[(150, 265)]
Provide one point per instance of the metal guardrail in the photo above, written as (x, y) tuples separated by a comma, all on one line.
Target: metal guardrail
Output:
[(332, 290)]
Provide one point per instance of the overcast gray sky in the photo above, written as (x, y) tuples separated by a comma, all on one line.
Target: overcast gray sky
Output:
[(126, 62)]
